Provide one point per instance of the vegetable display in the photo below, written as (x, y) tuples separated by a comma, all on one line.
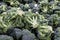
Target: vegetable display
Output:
[(29, 19)]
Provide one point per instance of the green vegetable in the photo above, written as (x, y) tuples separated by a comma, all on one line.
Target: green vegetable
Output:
[(57, 34), (3, 7), (5, 37), (45, 32), (54, 19), (11, 18), (12, 2)]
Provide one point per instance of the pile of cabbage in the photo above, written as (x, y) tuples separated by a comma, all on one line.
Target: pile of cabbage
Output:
[(30, 20)]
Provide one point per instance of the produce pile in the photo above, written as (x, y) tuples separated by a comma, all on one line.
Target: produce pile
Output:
[(29, 19)]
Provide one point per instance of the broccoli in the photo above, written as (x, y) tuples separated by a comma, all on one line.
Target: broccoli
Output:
[(12, 2), (54, 20), (3, 7), (5, 37), (57, 34), (27, 35), (15, 33), (12, 17), (44, 32), (30, 19), (35, 19)]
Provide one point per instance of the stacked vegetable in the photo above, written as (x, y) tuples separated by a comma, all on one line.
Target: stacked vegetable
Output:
[(29, 19)]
